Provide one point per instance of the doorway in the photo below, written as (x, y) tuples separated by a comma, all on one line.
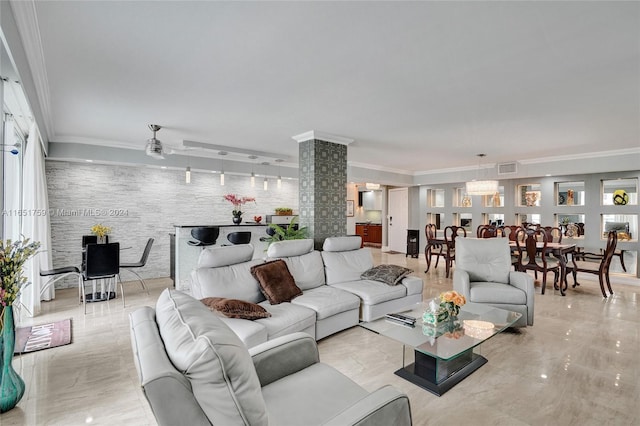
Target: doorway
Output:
[(398, 208)]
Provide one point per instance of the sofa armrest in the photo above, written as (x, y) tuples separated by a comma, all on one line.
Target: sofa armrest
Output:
[(461, 283), (283, 356), (160, 381), (383, 407), (524, 282)]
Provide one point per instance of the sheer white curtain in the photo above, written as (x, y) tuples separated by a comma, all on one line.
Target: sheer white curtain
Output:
[(35, 225)]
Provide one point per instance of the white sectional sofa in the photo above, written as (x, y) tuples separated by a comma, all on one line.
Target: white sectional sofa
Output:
[(333, 296), (344, 262)]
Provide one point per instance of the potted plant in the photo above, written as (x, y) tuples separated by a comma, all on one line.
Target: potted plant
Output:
[(238, 202), (286, 232), (13, 256), (284, 211)]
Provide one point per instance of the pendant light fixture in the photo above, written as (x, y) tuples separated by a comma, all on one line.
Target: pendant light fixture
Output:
[(265, 183), (223, 153), (279, 181), (187, 175), (481, 187), (253, 175)]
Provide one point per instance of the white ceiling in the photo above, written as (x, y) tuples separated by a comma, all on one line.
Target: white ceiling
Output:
[(418, 85)]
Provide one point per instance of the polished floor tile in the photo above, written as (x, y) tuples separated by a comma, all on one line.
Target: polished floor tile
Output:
[(577, 365)]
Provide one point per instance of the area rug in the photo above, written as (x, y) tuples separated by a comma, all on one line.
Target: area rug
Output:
[(45, 336)]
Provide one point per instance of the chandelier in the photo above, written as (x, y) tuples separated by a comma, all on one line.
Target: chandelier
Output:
[(481, 187)]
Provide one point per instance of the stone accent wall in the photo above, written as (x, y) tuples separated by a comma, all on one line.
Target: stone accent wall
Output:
[(142, 202), (323, 191)]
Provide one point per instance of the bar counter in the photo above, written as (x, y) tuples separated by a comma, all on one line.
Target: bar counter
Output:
[(184, 257)]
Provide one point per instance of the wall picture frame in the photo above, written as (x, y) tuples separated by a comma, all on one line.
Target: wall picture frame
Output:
[(350, 208)]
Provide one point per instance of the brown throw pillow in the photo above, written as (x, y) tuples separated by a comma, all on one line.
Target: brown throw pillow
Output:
[(234, 308), (276, 282)]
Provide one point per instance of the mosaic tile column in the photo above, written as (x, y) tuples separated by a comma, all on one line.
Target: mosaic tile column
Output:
[(322, 187)]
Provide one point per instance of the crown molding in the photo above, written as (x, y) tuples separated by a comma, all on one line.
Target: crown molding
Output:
[(582, 156), (24, 13), (378, 168), (314, 134)]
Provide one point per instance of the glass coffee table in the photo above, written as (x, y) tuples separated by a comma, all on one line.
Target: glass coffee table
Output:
[(444, 355)]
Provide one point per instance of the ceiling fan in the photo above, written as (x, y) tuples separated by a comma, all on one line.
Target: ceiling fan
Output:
[(154, 146)]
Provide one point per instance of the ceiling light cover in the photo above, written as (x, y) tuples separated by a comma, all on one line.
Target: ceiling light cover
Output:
[(482, 187)]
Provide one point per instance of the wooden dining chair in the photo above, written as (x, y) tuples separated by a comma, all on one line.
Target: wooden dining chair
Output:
[(434, 246), (450, 235), (532, 253), (597, 264), (554, 234)]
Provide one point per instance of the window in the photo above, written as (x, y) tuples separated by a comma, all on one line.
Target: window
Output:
[(529, 195), (570, 194), (620, 192)]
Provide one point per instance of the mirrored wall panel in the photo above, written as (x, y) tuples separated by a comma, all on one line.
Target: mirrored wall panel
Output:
[(626, 225), (620, 192), (436, 198), (570, 194), (495, 200), (529, 195), (572, 225)]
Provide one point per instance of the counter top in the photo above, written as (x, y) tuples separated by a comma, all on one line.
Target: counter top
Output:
[(367, 223), (223, 225)]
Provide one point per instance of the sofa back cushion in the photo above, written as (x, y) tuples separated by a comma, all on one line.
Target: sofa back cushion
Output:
[(305, 264), (289, 248), (216, 257), (349, 243), (232, 282), (344, 266), (485, 259), (212, 358)]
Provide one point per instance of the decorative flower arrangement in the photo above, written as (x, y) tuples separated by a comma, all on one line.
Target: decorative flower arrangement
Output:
[(13, 256), (452, 301), (238, 202), (100, 230), (444, 308)]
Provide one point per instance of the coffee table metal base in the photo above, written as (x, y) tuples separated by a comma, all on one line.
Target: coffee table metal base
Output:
[(425, 370)]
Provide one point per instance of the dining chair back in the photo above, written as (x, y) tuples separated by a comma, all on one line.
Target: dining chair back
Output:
[(554, 234), (102, 261), (434, 246), (139, 264), (533, 255), (597, 264), (450, 235)]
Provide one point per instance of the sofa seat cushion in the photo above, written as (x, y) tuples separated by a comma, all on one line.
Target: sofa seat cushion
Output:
[(286, 318), (212, 357), (488, 292), (344, 266), (413, 285), (373, 292), (250, 332), (327, 301), (291, 401), (233, 282)]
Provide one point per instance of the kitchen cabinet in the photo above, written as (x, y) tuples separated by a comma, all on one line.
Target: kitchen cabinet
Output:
[(370, 233)]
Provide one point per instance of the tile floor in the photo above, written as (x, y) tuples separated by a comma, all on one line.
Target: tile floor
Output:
[(578, 365)]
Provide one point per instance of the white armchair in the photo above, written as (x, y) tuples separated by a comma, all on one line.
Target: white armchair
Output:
[(483, 275)]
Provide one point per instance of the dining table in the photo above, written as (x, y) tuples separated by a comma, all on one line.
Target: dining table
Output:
[(559, 251)]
